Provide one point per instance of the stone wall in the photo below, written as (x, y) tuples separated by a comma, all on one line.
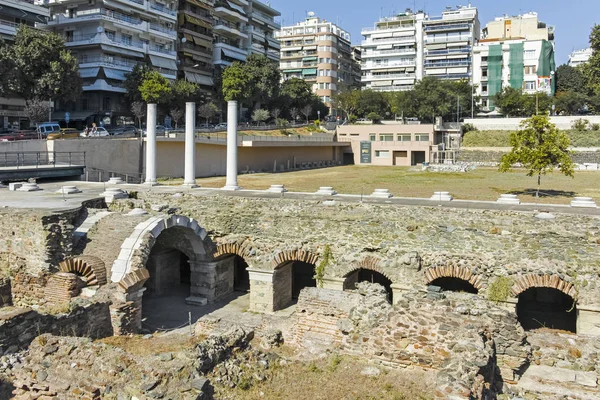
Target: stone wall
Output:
[(461, 336), (5, 292), (511, 124), (28, 289), (18, 327), (490, 156)]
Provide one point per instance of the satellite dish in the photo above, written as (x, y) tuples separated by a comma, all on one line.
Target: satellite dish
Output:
[(99, 29), (183, 40), (311, 14)]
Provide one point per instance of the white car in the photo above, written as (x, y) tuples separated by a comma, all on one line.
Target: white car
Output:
[(100, 131)]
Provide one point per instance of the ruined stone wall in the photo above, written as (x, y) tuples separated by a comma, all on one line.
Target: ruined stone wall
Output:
[(18, 327), (486, 157)]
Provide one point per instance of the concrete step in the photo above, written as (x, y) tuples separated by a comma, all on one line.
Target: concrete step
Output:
[(552, 381), (196, 301)]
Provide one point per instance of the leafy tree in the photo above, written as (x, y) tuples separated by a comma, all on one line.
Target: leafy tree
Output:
[(155, 88), (296, 93), (276, 112), (37, 66), (591, 69), (264, 79), (183, 91), (138, 109), (37, 110), (370, 101), (294, 113), (306, 110), (540, 147), (347, 101), (570, 102), (570, 78), (403, 103), (260, 115), (207, 110), (177, 115), (374, 117), (514, 103), (236, 83), (133, 81), (319, 109)]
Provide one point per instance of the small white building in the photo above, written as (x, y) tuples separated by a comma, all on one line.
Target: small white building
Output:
[(579, 57)]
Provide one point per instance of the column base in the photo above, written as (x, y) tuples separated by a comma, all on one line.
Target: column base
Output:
[(196, 301), (190, 185), (231, 187), (151, 183)]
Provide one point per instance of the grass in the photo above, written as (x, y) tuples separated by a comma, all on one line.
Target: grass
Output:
[(502, 138), (480, 184), (158, 343), (319, 380)]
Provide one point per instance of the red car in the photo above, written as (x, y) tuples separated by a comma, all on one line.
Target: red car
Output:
[(19, 135)]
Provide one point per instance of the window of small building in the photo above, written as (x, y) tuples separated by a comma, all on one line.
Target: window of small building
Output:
[(404, 137), (372, 137), (422, 138), (382, 154), (386, 137)]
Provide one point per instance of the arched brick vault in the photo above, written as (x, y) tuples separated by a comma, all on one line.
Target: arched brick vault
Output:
[(294, 255), (370, 263), (453, 271), (91, 268), (136, 248), (243, 249), (522, 283)]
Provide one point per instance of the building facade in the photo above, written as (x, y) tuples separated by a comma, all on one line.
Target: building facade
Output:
[(579, 57), (448, 42), (392, 53), (109, 38), (517, 52), (319, 52), (12, 14)]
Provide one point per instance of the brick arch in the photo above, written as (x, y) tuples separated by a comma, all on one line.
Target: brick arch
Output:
[(243, 250), (453, 271), (294, 255), (370, 263), (522, 283), (145, 233), (91, 268)]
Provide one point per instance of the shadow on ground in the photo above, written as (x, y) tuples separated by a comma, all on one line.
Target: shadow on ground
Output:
[(545, 193)]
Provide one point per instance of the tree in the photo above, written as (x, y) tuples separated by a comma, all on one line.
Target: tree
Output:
[(155, 88), (264, 79), (570, 78), (514, 103), (37, 110), (37, 66), (183, 91), (370, 101), (207, 110), (294, 113), (276, 112), (176, 114), (570, 102), (539, 147), (260, 115), (591, 69), (138, 109), (346, 101), (133, 81), (296, 93), (306, 110), (236, 83)]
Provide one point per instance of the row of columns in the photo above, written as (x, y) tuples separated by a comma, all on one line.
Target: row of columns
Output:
[(190, 146)]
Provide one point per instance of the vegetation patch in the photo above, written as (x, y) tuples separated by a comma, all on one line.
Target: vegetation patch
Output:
[(499, 290)]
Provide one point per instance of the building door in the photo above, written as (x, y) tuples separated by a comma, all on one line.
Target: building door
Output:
[(400, 158), (418, 157)]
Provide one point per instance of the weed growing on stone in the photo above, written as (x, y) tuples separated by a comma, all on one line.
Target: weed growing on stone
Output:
[(327, 258), (499, 290)]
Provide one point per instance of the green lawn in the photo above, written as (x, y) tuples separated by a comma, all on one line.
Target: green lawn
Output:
[(480, 184), (502, 138)]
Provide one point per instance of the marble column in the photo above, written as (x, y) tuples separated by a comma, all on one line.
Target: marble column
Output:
[(232, 117), (190, 145), (151, 145)]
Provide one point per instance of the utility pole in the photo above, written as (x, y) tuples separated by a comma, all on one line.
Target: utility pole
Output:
[(457, 107)]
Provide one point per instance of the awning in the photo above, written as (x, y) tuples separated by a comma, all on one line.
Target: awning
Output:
[(202, 57), (384, 47), (202, 42), (120, 50), (199, 79), (381, 83), (114, 74), (309, 58), (236, 7), (292, 48), (201, 3), (291, 71), (187, 37), (310, 47), (163, 62), (197, 21), (309, 71), (89, 72), (233, 54)]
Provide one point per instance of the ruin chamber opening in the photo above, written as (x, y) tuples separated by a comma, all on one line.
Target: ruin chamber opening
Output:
[(451, 284), (546, 308), (367, 275), (241, 278)]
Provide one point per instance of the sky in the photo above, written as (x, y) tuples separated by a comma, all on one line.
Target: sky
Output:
[(572, 19)]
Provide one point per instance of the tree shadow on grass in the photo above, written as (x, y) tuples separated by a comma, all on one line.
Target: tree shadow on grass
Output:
[(545, 192)]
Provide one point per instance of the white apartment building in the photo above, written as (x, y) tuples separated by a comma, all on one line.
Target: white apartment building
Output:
[(518, 55), (392, 53), (448, 42), (319, 52), (109, 38), (579, 57)]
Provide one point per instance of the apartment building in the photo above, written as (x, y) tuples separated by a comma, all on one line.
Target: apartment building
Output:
[(12, 14), (392, 53), (448, 42), (520, 55), (195, 42), (319, 52), (579, 57), (243, 27), (110, 37)]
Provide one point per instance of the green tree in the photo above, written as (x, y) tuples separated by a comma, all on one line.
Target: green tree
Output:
[(370, 101), (133, 81), (296, 93), (570, 79), (235, 83), (319, 109), (183, 91), (540, 148), (37, 66), (403, 103), (570, 102), (264, 79), (591, 69), (37, 110), (346, 100), (138, 109), (177, 114), (155, 88), (207, 110), (260, 115)]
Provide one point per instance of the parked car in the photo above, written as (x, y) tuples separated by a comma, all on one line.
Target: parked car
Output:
[(46, 128), (206, 126), (100, 131), (222, 125), (19, 135), (65, 133), (160, 130), (128, 130)]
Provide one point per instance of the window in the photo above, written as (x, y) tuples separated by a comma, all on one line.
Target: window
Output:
[(404, 137), (530, 55), (382, 154), (484, 73), (530, 85), (110, 34), (372, 137), (422, 138), (386, 137)]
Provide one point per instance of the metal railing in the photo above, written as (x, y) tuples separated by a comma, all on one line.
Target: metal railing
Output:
[(39, 159), (101, 175)]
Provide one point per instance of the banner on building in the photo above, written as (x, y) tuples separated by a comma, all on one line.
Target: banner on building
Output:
[(544, 83), (365, 152)]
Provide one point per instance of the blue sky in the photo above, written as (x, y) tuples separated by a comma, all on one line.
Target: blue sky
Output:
[(573, 19)]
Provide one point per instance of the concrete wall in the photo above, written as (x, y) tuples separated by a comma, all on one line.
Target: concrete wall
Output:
[(510, 124), (23, 145)]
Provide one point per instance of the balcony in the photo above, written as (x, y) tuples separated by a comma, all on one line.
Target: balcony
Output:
[(448, 39), (376, 53), (99, 14), (223, 28), (273, 42), (448, 52), (225, 46), (448, 63), (8, 28), (371, 29), (273, 55), (449, 27), (223, 11), (102, 85), (371, 77), (156, 50), (167, 73), (266, 19), (388, 65), (162, 31), (392, 40), (104, 61), (393, 88)]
